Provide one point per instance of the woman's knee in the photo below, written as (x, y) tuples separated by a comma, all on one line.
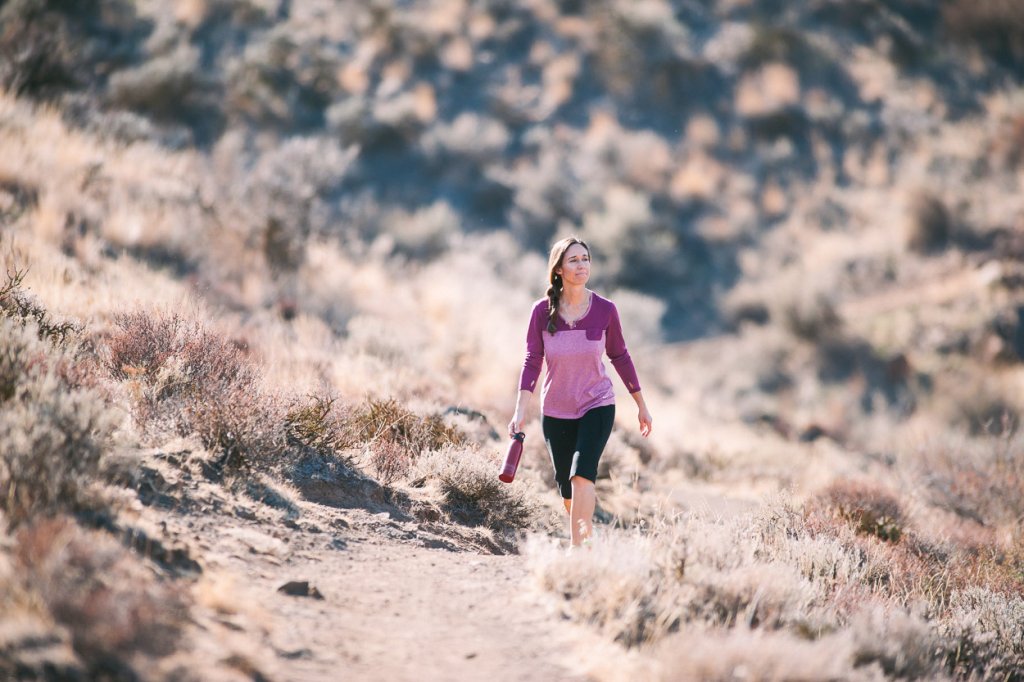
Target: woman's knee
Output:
[(581, 482)]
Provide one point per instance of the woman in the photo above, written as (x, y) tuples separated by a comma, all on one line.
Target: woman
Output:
[(570, 329)]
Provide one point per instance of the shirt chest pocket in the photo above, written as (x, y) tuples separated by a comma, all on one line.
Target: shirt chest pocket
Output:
[(595, 334)]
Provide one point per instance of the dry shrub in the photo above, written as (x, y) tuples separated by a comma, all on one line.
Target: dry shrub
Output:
[(389, 461), (109, 601), (51, 45), (803, 304), (198, 382), (424, 235), (1010, 145), (240, 422), (899, 565), (868, 507), (396, 436), (145, 343), (17, 197), (986, 634), (318, 424), (281, 81), (52, 433), (472, 137), (474, 496), (167, 86), (904, 646), (849, 566), (995, 27), (642, 38), (906, 609), (16, 304), (471, 493), (978, 480), (909, 573), (285, 193), (929, 224), (984, 411), (776, 44), (881, 556), (810, 317)]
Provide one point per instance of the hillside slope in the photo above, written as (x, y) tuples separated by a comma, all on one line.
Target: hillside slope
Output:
[(268, 266)]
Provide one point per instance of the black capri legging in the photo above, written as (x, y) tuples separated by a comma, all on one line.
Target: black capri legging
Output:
[(576, 445)]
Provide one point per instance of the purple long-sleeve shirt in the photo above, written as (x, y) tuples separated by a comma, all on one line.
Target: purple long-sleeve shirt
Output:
[(576, 380)]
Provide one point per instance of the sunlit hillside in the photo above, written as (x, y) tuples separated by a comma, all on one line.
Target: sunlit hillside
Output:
[(267, 272)]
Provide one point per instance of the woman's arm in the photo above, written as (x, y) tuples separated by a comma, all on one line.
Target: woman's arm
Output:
[(534, 352), (522, 402), (643, 414), (531, 369), (615, 347)]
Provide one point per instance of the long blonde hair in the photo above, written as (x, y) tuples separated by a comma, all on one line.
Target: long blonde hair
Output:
[(554, 292)]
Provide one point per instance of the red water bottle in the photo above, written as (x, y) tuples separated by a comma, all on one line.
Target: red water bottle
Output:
[(515, 451)]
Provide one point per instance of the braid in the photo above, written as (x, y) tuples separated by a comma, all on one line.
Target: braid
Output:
[(554, 298)]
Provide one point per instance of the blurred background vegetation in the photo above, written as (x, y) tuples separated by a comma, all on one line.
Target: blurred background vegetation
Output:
[(306, 235), (675, 136)]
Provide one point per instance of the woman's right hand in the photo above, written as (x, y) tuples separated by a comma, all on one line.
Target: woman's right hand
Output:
[(516, 425), (519, 415)]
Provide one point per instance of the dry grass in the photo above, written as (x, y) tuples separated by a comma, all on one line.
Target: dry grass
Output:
[(861, 591), (751, 655), (396, 436), (470, 493), (617, 585)]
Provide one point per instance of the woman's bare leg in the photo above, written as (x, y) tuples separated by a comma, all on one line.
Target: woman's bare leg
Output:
[(581, 511), (568, 505)]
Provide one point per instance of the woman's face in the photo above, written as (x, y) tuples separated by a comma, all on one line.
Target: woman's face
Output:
[(575, 268)]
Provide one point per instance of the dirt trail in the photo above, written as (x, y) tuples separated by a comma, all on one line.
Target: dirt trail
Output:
[(402, 599), (393, 611)]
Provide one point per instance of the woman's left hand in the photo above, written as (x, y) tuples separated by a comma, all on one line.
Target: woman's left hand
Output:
[(646, 421)]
